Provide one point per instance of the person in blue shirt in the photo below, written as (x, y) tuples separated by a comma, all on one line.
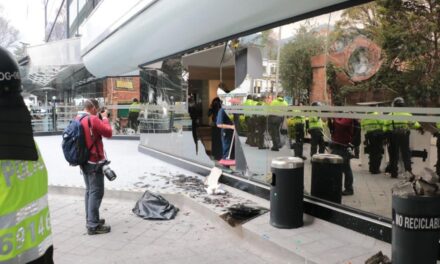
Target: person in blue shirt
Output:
[(227, 131)]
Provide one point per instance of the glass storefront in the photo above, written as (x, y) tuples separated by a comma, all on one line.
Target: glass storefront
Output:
[(353, 62)]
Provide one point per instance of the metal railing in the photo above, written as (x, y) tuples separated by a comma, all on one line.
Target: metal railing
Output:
[(150, 119)]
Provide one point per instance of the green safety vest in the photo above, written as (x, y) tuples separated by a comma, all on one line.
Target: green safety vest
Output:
[(369, 125), (315, 122), (25, 230), (134, 108), (248, 102), (390, 125), (297, 119), (278, 102)]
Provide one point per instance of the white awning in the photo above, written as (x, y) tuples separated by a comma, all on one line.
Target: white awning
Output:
[(165, 27)]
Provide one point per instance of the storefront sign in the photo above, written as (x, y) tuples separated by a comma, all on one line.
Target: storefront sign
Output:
[(121, 84)]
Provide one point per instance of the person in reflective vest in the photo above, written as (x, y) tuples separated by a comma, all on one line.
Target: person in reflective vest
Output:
[(251, 139), (373, 129), (316, 133), (275, 122), (25, 229), (133, 114), (260, 124), (296, 131), (399, 131)]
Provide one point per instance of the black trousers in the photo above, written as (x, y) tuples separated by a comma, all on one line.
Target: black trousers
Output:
[(251, 125), (274, 130), (260, 128), (299, 140), (317, 140), (374, 145), (133, 120), (399, 144), (346, 168)]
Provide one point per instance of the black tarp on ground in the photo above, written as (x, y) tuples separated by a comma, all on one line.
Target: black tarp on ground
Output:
[(155, 207)]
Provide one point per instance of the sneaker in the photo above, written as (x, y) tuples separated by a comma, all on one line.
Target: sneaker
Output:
[(347, 192), (275, 149), (101, 229)]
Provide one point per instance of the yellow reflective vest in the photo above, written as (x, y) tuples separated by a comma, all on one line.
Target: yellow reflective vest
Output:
[(134, 108), (390, 125), (25, 230)]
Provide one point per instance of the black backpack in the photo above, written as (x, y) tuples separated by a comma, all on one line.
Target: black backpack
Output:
[(74, 143)]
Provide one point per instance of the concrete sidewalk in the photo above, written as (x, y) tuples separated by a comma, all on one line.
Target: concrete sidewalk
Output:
[(189, 238)]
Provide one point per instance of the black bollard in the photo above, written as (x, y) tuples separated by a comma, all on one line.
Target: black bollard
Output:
[(416, 229), (327, 177), (286, 192)]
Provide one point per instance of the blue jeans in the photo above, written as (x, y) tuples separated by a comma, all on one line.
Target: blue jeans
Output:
[(94, 180), (226, 142)]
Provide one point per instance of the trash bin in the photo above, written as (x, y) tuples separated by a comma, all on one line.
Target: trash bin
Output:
[(327, 177), (286, 192), (416, 229)]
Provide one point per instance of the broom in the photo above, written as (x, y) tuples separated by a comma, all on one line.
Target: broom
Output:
[(228, 161)]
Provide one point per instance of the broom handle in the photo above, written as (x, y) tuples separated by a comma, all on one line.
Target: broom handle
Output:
[(230, 147)]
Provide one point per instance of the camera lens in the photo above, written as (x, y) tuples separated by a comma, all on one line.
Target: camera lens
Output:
[(109, 173)]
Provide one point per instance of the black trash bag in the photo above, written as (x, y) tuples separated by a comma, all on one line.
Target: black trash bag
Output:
[(155, 207)]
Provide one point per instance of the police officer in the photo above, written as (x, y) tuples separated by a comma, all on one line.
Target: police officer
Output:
[(133, 115), (25, 230), (260, 124), (399, 132), (316, 133), (296, 129), (250, 140), (373, 129), (275, 122)]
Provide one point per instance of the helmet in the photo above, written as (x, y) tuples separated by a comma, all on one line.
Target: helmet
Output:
[(316, 103), (398, 102), (10, 81), (16, 124)]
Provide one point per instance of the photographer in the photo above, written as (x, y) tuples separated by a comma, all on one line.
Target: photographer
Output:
[(95, 126)]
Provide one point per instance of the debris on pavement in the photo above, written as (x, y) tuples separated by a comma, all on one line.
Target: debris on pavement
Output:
[(239, 214), (425, 185), (378, 258), (213, 187)]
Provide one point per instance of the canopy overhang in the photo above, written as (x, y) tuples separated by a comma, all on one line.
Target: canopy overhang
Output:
[(165, 27)]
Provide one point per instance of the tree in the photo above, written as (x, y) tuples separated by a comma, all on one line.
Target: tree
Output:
[(295, 64), (365, 15), (409, 33), (8, 34)]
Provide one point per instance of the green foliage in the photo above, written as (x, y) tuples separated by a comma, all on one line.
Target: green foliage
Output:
[(295, 68), (409, 33)]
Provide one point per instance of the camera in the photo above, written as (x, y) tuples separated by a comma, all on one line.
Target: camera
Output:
[(102, 110), (108, 172)]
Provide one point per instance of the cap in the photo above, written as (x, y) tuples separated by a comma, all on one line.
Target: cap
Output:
[(10, 81)]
